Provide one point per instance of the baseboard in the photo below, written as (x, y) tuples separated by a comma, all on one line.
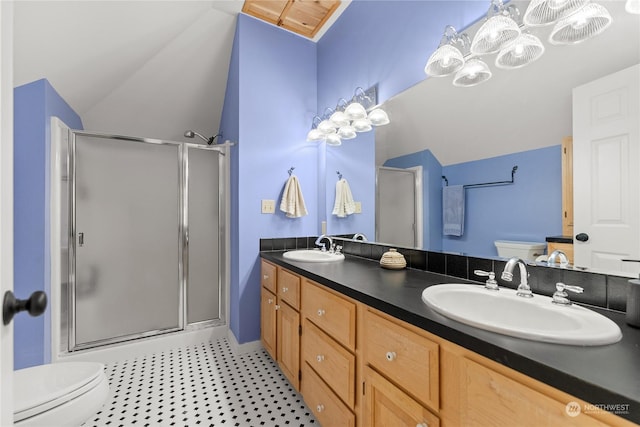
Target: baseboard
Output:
[(247, 347), (128, 350)]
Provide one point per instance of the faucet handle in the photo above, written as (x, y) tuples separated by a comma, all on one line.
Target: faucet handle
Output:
[(561, 297), (491, 283)]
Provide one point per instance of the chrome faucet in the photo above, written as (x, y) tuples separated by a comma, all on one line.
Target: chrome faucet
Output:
[(359, 236), (523, 289), (561, 296), (323, 245), (564, 261)]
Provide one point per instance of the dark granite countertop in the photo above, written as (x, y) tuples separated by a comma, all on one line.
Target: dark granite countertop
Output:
[(559, 239), (600, 375)]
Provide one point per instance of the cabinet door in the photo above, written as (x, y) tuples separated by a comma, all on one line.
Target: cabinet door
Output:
[(288, 327), (490, 398), (268, 321), (386, 405)]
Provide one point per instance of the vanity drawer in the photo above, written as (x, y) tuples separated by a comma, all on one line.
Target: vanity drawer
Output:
[(268, 272), (289, 288), (331, 313), (324, 404), (404, 357), (335, 365)]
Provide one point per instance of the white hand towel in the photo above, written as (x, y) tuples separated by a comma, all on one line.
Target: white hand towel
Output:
[(292, 203), (344, 204), (453, 210)]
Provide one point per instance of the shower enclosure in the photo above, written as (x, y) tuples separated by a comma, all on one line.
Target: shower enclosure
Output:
[(144, 232)]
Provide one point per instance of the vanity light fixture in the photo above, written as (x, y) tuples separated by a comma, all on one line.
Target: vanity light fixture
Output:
[(499, 29), (315, 135), (449, 57), (522, 51), (545, 12), (357, 115), (632, 6), (584, 23), (505, 33), (474, 72)]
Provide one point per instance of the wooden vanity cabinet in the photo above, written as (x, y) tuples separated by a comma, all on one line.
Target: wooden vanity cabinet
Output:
[(280, 319), (361, 367)]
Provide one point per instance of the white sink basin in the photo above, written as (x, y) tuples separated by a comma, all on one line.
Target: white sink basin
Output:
[(536, 318), (311, 255)]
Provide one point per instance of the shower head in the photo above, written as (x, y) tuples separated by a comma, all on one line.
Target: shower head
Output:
[(191, 134)]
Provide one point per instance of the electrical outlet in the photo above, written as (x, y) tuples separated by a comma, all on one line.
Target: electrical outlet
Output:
[(358, 207), (268, 206)]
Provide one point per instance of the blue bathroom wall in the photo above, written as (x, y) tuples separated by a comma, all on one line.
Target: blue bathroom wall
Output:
[(34, 105), (357, 51), (363, 47), (355, 160), (529, 210), (431, 194), (230, 129), (276, 101)]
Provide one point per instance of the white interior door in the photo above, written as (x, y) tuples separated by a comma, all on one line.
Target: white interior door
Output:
[(6, 207), (606, 155), (399, 207)]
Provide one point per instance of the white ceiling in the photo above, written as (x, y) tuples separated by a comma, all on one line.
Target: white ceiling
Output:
[(141, 68)]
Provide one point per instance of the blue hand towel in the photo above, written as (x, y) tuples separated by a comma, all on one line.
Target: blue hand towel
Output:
[(453, 210)]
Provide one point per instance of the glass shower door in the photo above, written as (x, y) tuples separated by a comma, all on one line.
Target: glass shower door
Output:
[(204, 234), (127, 239)]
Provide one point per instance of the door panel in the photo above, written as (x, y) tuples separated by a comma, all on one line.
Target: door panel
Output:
[(126, 238), (606, 180), (396, 207), (203, 274)]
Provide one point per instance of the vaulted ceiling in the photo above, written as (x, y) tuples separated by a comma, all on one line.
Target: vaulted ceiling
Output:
[(140, 68)]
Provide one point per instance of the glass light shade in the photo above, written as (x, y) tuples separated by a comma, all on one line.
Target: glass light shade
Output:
[(473, 73), (494, 34), (355, 111), (520, 52), (334, 139), (378, 117), (581, 25), (347, 132), (447, 59), (362, 125), (315, 135), (545, 12), (339, 118), (326, 127), (632, 6)]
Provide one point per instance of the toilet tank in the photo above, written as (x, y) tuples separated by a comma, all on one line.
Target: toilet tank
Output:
[(524, 250)]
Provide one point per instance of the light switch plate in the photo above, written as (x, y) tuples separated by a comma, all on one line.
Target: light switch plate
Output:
[(358, 207), (268, 206)]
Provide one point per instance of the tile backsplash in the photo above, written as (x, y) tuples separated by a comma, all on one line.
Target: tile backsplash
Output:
[(601, 290)]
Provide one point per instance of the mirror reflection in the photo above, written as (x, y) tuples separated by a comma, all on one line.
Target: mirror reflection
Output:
[(519, 118)]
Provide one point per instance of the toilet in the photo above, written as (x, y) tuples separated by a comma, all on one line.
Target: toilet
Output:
[(59, 394), (523, 250)]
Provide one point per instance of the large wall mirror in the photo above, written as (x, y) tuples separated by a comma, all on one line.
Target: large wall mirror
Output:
[(477, 134)]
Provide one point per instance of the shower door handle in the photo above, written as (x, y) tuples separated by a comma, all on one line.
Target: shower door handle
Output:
[(81, 239)]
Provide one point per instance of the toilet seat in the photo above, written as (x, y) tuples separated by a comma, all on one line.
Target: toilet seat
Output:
[(41, 388)]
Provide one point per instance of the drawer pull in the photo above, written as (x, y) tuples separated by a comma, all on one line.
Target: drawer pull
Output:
[(277, 306), (321, 312), (320, 358), (391, 356), (270, 300), (284, 290), (265, 277), (320, 408), (422, 425)]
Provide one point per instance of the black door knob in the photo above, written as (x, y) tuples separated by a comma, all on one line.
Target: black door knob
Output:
[(582, 237), (35, 305)]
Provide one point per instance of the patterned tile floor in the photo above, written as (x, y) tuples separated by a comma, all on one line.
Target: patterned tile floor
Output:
[(201, 385)]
